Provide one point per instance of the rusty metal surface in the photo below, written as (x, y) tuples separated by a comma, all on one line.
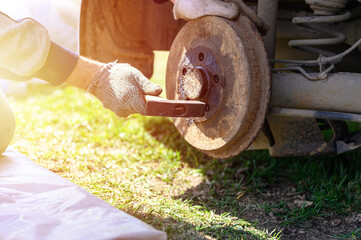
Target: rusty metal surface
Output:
[(201, 78), (297, 137), (243, 82), (300, 136), (156, 106)]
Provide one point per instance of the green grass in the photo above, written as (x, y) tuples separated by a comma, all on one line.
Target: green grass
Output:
[(142, 166), (139, 164), (351, 235)]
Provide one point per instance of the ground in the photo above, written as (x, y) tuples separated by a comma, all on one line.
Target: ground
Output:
[(142, 166)]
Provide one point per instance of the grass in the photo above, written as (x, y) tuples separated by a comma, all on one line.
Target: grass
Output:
[(142, 166), (352, 235)]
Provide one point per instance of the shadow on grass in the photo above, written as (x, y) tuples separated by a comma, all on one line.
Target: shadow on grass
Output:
[(286, 193), (179, 229), (271, 192), (163, 130)]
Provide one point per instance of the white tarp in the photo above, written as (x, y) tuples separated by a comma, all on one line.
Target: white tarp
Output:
[(36, 203)]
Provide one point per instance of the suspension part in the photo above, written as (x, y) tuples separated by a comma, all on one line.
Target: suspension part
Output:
[(321, 24), (326, 7)]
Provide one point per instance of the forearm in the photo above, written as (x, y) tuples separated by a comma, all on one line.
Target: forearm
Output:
[(84, 72), (58, 66)]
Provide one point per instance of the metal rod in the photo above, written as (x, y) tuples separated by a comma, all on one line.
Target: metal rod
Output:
[(302, 113), (268, 10), (261, 25), (339, 92), (322, 19)]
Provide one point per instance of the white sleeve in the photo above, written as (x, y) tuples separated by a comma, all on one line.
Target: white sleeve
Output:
[(24, 45)]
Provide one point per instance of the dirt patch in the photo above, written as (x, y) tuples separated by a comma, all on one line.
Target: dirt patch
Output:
[(279, 207), (282, 202)]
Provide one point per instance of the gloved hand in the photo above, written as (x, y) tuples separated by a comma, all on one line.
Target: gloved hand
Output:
[(121, 88), (192, 9)]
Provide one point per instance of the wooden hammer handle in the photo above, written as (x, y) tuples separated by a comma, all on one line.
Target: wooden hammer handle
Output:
[(157, 106)]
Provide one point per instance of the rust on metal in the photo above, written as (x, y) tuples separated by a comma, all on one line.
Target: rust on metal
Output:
[(199, 66), (297, 137), (234, 57), (196, 83)]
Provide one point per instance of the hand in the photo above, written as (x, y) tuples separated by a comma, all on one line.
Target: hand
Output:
[(192, 9), (121, 88)]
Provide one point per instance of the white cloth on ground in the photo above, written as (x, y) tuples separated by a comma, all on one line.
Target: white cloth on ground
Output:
[(36, 203)]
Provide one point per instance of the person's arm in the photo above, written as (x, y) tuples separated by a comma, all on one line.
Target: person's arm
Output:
[(24, 47), (84, 72), (26, 52), (120, 87)]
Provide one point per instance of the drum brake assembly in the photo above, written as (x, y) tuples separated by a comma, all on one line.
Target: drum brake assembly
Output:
[(223, 64)]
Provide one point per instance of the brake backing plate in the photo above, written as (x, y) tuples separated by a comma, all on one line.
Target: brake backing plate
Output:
[(224, 64)]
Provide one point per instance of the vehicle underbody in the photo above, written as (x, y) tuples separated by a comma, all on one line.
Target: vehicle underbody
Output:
[(284, 76)]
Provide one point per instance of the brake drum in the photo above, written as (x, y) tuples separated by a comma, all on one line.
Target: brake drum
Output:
[(223, 63)]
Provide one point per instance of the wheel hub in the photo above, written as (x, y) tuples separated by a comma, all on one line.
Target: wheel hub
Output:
[(201, 78), (224, 64)]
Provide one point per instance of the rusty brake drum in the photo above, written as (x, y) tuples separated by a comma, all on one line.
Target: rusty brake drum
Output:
[(224, 64)]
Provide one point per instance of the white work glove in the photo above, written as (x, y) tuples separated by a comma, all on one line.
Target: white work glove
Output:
[(121, 88), (192, 9)]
